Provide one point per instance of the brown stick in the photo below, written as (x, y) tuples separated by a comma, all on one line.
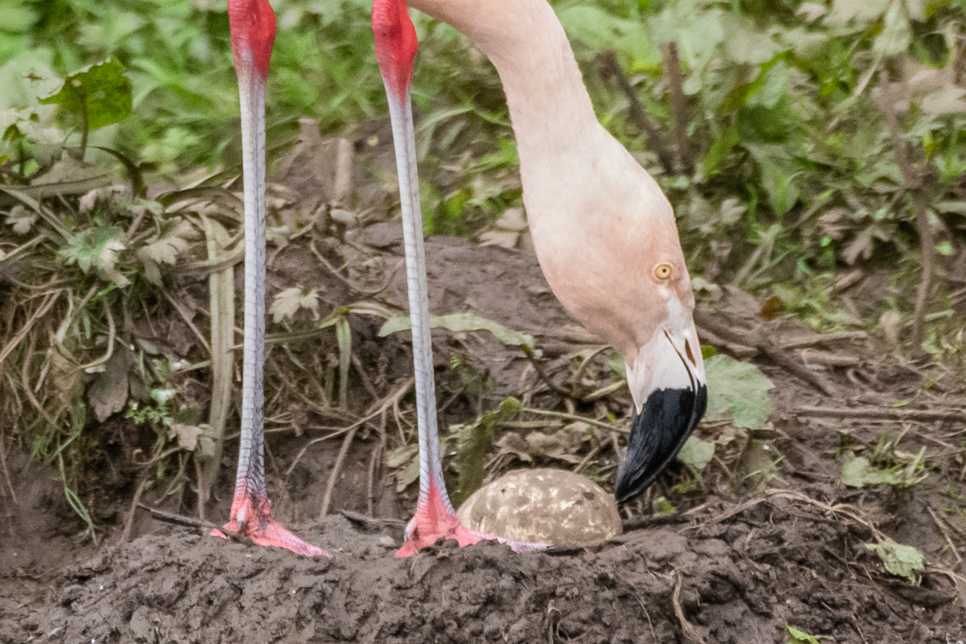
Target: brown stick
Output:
[(6, 470), (913, 183), (560, 391), (636, 111), (48, 302), (878, 413), (691, 635), (191, 522), (960, 61), (135, 502), (336, 468), (823, 338), (679, 105), (765, 346)]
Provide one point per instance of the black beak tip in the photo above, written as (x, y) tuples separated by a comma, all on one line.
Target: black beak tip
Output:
[(657, 435)]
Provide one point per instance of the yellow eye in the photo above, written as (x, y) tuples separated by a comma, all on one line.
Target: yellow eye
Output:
[(662, 271)]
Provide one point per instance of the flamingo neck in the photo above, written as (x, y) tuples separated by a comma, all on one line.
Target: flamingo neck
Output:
[(553, 118)]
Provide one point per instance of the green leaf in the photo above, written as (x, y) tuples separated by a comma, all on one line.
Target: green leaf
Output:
[(661, 507), (696, 452), (796, 636), (739, 389), (96, 248), (900, 560), (461, 323), (474, 440), (599, 29), (859, 472), (101, 92)]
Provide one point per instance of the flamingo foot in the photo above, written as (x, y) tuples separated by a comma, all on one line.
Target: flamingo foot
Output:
[(252, 518), (434, 520)]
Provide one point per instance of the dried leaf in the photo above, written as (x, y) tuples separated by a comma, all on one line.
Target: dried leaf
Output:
[(165, 248), (21, 219), (108, 393), (187, 435), (288, 302), (514, 444)]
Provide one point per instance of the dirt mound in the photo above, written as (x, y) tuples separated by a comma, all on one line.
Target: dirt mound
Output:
[(733, 576)]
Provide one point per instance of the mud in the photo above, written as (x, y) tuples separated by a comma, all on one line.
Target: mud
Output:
[(737, 580), (738, 563)]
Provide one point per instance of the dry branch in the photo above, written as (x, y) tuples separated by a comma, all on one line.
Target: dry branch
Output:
[(655, 141), (191, 522), (679, 106), (912, 181), (769, 349), (876, 413)]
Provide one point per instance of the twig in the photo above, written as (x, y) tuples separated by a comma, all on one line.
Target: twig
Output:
[(393, 398), (691, 635), (191, 522), (129, 522), (922, 415), (6, 470), (187, 320), (760, 342), (822, 338), (672, 70), (654, 139), (44, 307), (336, 467), (111, 333), (945, 533), (560, 391), (564, 416), (370, 521), (648, 616), (913, 183), (377, 452), (358, 289)]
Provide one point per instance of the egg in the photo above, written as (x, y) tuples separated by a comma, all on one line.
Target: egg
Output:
[(543, 506)]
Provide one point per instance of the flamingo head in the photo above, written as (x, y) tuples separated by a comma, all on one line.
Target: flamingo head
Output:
[(665, 375)]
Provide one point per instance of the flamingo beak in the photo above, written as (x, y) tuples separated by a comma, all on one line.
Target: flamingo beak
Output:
[(668, 376)]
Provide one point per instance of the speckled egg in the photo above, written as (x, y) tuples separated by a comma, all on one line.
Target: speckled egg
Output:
[(543, 505)]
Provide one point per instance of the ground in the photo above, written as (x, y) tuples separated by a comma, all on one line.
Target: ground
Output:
[(750, 550)]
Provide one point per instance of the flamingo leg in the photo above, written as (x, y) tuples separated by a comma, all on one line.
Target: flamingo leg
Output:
[(395, 50), (434, 518), (253, 36)]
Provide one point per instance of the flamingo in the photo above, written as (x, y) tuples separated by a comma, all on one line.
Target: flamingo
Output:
[(603, 231), (252, 24)]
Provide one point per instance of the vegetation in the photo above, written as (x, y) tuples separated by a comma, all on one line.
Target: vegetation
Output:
[(814, 152)]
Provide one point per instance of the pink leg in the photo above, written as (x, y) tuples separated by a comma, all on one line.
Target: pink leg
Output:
[(433, 520), (251, 516)]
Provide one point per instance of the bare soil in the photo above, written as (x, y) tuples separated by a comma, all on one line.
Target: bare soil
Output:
[(736, 564)]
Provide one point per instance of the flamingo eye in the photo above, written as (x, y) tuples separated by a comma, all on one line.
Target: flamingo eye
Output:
[(662, 271)]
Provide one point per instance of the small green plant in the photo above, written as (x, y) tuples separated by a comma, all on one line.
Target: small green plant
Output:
[(795, 636), (898, 559), (96, 96)]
